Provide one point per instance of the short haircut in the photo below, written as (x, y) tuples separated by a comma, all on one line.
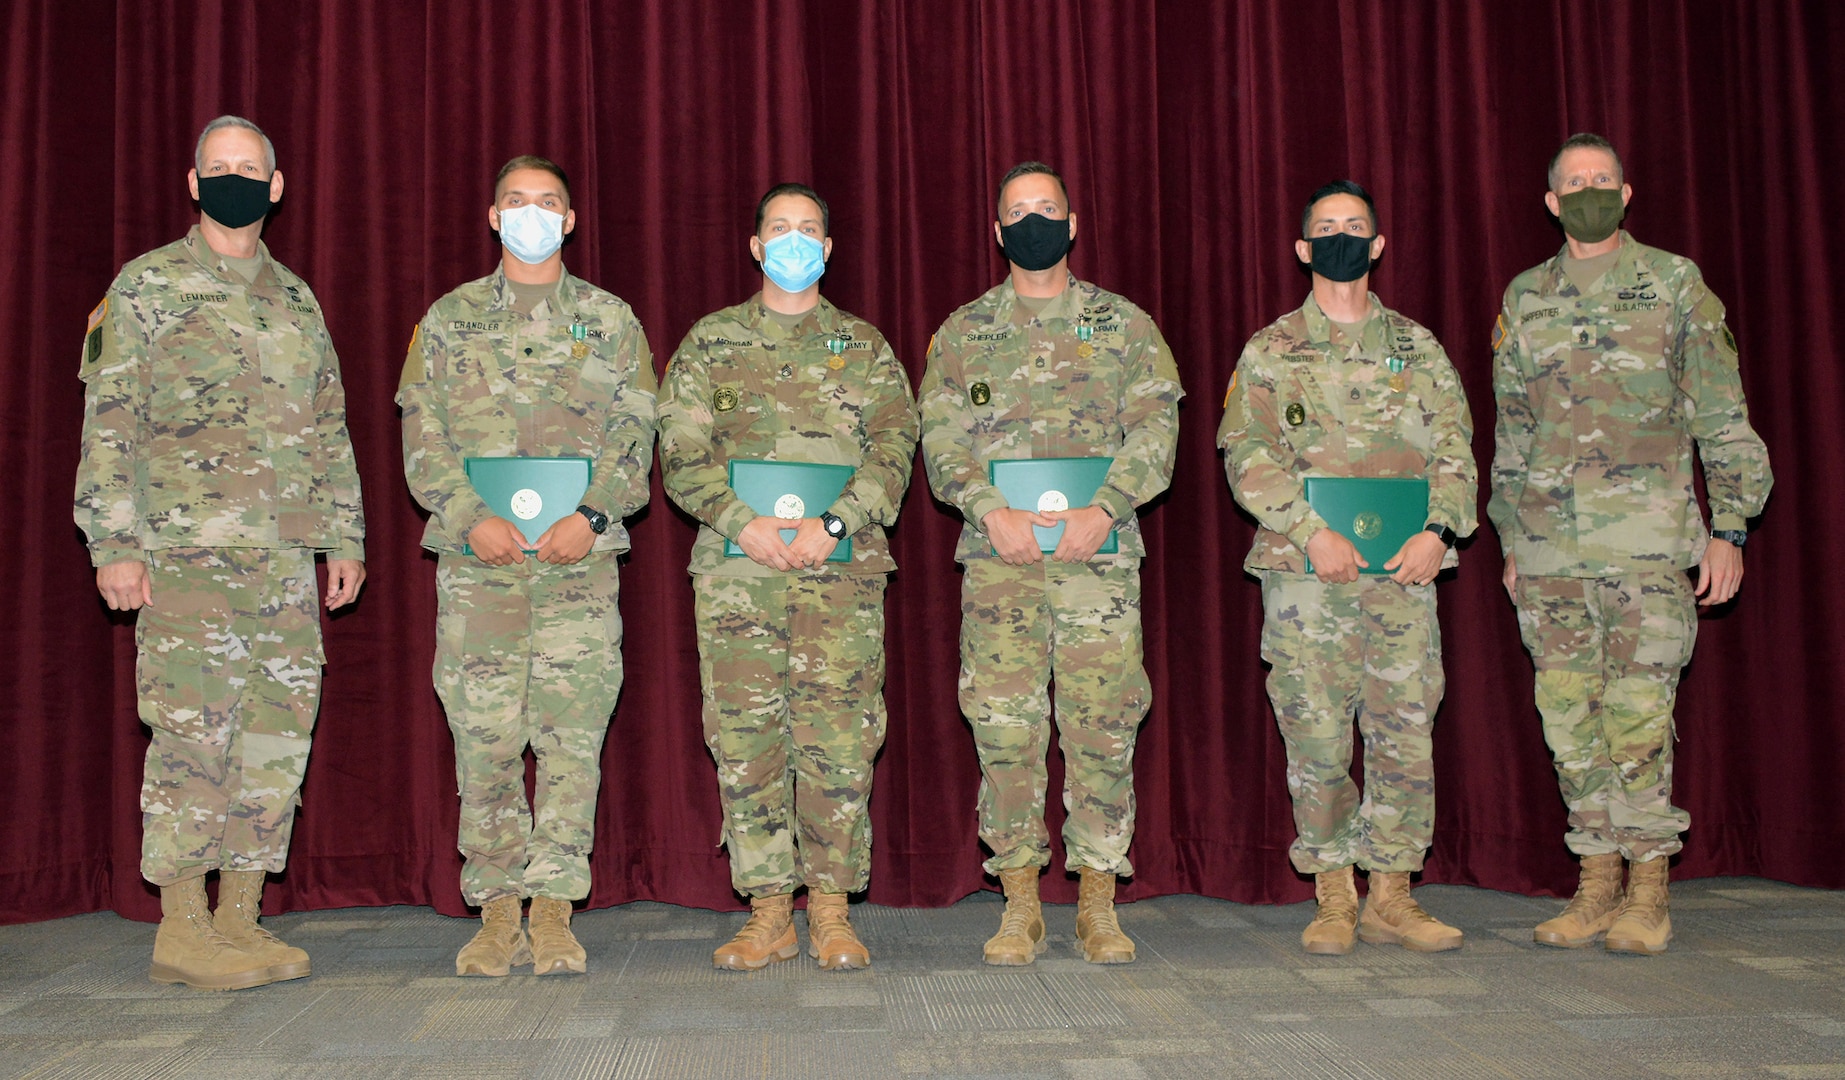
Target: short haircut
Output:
[(1584, 140), (531, 161), (1028, 168), (229, 121), (776, 192), (1337, 187)]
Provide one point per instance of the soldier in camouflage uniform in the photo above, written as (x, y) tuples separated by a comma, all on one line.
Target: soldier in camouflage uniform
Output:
[(1344, 386), (1611, 359), (790, 646), (527, 362), (215, 464), (1046, 366)]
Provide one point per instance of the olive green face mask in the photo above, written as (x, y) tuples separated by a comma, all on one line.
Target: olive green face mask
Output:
[(1592, 214)]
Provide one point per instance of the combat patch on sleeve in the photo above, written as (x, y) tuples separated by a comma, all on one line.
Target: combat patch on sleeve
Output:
[(1500, 330), (1729, 339), (414, 371)]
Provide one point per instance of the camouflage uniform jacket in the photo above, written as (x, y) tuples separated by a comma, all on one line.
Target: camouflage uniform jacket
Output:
[(827, 390), (1301, 406), (1600, 398), (483, 380), (1089, 376), (214, 415)]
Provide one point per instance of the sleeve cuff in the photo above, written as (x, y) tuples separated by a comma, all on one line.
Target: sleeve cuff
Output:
[(1728, 520), (1305, 529), (1115, 501), (849, 513), (984, 502), (349, 549), (116, 549), (731, 520)]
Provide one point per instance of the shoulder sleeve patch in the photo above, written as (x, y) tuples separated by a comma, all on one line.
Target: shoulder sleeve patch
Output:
[(1729, 339), (93, 343), (414, 370), (1500, 330)]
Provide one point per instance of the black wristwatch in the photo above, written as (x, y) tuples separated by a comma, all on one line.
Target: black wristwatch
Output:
[(598, 521), (1739, 537), (1442, 533), (834, 526)]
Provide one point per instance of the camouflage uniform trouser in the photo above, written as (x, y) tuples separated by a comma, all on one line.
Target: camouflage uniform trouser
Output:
[(1020, 627), (1370, 647), (228, 675), (1609, 652), (527, 655), (793, 674)]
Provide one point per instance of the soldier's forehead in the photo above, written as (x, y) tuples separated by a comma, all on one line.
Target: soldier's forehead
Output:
[(233, 142), (1593, 158)]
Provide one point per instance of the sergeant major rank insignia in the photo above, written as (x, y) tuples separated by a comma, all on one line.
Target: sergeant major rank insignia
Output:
[(1296, 414), (724, 399), (979, 393)]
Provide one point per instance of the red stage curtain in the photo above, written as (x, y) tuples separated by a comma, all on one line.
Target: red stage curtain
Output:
[(1189, 132)]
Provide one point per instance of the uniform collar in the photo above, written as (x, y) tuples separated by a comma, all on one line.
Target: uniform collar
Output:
[(1630, 266), (562, 301), (215, 263), (822, 318), (1320, 325), (1067, 304)]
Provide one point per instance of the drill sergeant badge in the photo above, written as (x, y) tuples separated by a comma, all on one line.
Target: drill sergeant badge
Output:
[(724, 398), (1296, 414), (979, 393)]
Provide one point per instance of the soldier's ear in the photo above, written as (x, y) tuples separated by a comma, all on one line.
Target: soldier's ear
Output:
[(1550, 201), (1377, 247), (275, 186), (570, 221), (826, 249), (1303, 251), (1627, 193), (192, 183)]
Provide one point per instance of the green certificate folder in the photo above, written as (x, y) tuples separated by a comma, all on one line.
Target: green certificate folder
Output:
[(1377, 515), (534, 493), (789, 489), (1043, 484)]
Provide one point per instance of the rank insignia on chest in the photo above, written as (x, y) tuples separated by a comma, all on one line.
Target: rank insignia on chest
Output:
[(787, 371), (980, 393), (724, 399), (1296, 414)]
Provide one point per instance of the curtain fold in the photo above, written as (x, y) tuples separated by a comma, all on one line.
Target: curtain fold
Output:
[(1189, 133)]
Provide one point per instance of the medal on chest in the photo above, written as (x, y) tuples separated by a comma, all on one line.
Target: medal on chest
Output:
[(1083, 333), (838, 349), (1398, 381), (579, 340)]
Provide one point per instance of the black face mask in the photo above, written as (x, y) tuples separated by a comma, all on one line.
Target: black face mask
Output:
[(233, 201), (1341, 256), (1035, 242)]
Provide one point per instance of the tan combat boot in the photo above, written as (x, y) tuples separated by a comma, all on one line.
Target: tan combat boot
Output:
[(830, 938), (240, 903), (1592, 910), (1392, 917), (1021, 928), (189, 949), (767, 938), (1335, 921), (499, 945), (554, 948), (1096, 927), (1643, 925)]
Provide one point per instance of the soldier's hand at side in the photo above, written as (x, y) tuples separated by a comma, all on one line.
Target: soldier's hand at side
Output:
[(1719, 572), (125, 585), (761, 540), (1009, 530), (1335, 560), (344, 576), (812, 546), (497, 542), (1084, 530), (567, 541), (1417, 561), (1509, 577)]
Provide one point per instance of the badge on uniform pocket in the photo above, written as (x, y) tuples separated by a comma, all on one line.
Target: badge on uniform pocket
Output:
[(979, 393), (724, 399), (1296, 414)]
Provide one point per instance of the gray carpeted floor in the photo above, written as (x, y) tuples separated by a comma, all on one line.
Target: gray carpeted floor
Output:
[(1754, 985)]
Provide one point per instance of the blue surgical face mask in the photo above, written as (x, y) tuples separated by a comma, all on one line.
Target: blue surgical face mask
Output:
[(532, 233), (793, 260)]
